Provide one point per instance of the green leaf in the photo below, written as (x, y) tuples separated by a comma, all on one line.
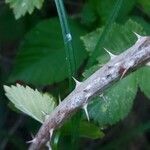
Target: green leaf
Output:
[(88, 15), (86, 130), (104, 8), (21, 7), (89, 130), (119, 38), (91, 39), (115, 103), (145, 24), (31, 102), (145, 4), (144, 80), (41, 59)]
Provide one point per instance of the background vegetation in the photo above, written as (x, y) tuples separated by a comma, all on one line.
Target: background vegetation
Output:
[(35, 51)]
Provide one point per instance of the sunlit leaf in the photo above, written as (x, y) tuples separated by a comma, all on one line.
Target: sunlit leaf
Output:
[(21, 7), (31, 102)]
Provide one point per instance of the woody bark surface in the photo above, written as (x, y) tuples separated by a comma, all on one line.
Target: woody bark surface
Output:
[(113, 71)]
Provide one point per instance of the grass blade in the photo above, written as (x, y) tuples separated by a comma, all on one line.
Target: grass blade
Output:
[(67, 37), (103, 37)]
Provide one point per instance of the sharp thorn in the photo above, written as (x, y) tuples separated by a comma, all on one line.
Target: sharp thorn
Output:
[(112, 56), (51, 133), (49, 146), (76, 81), (31, 141), (137, 35), (125, 71), (50, 136), (86, 111), (59, 99)]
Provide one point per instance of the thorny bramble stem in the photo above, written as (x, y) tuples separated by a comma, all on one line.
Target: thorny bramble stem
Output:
[(116, 68)]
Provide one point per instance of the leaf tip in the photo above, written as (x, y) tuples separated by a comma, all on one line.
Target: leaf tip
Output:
[(18, 85), (6, 88)]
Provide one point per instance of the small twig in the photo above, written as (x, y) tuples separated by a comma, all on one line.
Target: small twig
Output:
[(131, 59)]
